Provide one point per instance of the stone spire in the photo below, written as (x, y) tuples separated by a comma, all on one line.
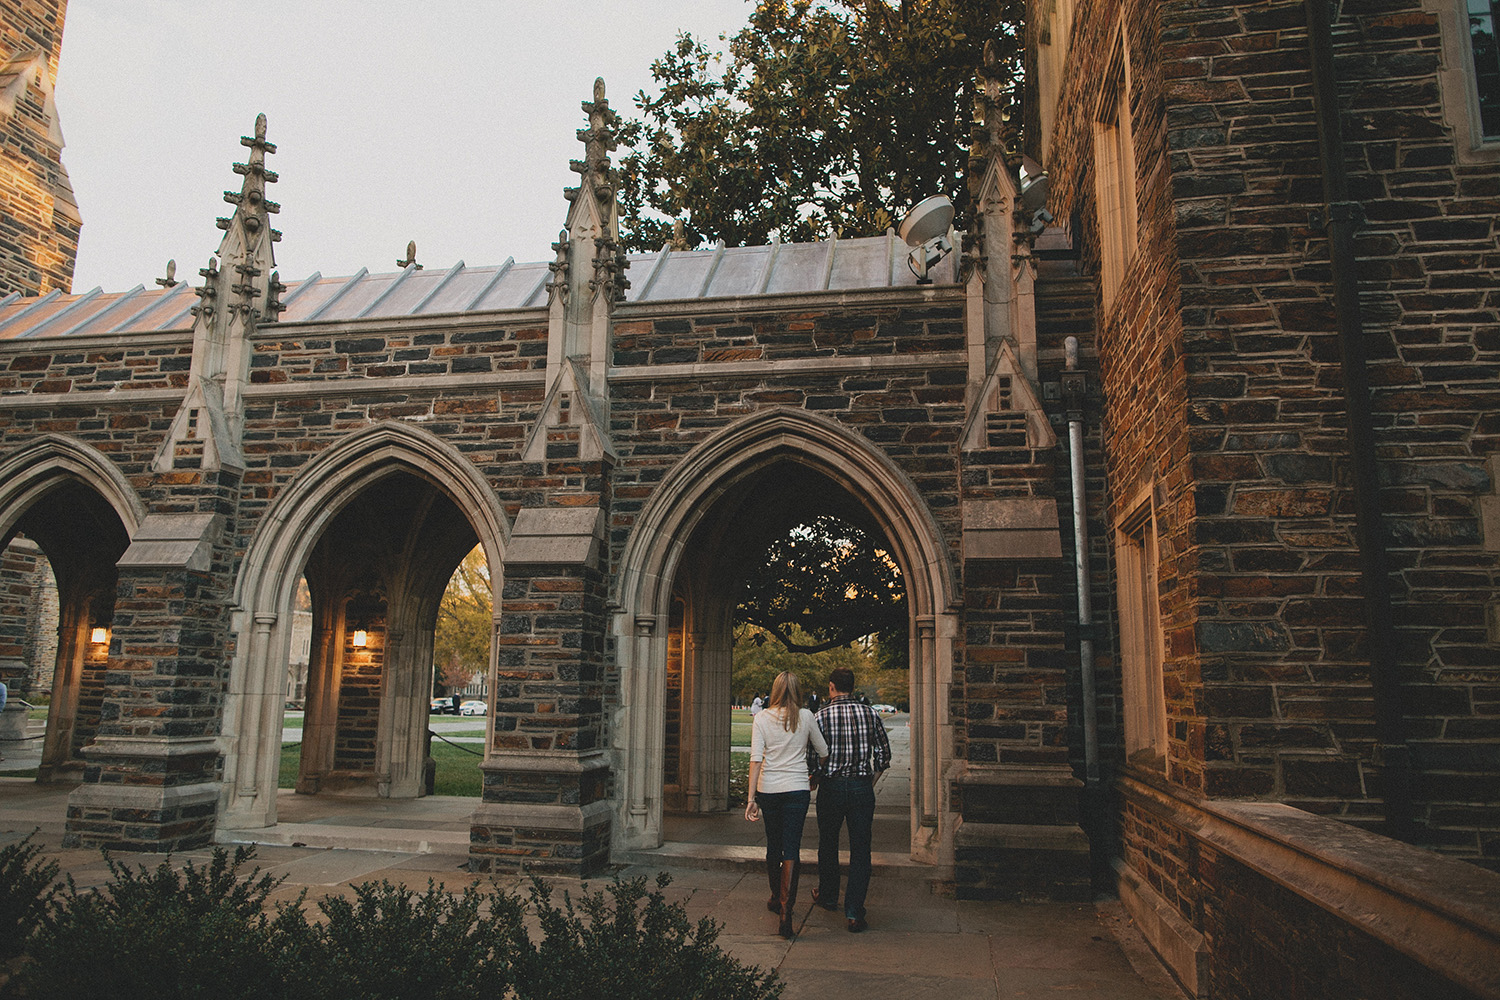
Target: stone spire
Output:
[(588, 276), (588, 279), (240, 292)]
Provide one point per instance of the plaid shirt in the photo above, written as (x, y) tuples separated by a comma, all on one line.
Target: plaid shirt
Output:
[(854, 734)]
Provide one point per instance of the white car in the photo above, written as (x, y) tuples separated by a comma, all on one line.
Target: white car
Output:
[(473, 708), (884, 709)]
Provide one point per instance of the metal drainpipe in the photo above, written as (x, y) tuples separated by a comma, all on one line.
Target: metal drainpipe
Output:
[(1341, 215), (1074, 390)]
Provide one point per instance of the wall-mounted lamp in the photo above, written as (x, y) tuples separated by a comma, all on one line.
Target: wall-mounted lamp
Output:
[(361, 638), (99, 636)]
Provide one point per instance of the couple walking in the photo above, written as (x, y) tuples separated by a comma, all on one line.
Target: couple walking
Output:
[(840, 751)]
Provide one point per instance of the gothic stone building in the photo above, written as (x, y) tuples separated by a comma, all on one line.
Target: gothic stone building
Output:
[(1288, 211), (1285, 644)]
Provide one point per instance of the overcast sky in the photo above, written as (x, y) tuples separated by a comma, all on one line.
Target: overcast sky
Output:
[(448, 122)]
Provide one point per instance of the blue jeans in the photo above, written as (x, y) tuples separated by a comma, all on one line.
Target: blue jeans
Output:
[(840, 801), (783, 813)]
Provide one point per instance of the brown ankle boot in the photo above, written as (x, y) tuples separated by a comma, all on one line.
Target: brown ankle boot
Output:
[(788, 897), (773, 875)]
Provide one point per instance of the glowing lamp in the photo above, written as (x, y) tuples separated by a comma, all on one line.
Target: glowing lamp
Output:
[(99, 635), (361, 638)]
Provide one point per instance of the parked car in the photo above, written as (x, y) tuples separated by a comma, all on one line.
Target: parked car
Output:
[(885, 709), (442, 706), (473, 708)]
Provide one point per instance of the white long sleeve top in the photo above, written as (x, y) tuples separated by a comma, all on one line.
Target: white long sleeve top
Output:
[(783, 754)]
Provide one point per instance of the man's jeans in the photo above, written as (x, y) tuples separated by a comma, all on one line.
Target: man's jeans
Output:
[(842, 800)]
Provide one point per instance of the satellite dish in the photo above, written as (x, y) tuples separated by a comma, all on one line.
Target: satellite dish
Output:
[(928, 220)]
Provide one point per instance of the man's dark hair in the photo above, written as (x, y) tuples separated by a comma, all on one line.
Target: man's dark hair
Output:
[(843, 680)]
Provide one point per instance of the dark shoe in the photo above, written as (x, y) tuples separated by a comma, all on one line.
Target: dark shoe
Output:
[(788, 898), (857, 925), (830, 904)]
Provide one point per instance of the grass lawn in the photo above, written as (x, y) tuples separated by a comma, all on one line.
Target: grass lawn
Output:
[(739, 727), (457, 771)]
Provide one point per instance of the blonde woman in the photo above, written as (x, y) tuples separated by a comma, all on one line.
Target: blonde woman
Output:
[(785, 743)]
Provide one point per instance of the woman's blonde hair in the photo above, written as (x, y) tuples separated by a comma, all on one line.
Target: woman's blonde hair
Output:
[(786, 695)]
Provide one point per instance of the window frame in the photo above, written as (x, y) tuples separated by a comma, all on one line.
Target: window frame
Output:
[(1142, 645)]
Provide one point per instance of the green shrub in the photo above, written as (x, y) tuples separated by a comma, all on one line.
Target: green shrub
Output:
[(27, 886), (207, 932), (630, 945), (390, 943), (157, 935)]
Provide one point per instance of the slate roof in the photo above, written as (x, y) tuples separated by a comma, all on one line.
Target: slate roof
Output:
[(667, 275)]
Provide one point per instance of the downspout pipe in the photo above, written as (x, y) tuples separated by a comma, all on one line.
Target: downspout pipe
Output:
[(1075, 391), (1340, 217)]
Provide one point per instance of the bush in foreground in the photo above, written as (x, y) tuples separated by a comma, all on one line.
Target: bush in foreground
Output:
[(209, 932)]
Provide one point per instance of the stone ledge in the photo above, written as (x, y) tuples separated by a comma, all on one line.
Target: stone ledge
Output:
[(1442, 913), (1176, 942)]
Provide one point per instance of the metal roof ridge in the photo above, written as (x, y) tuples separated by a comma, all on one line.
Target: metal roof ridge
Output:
[(303, 286), (489, 286), (44, 299), (82, 300), (448, 276), (167, 293), (337, 295), (541, 283), (713, 269), (406, 272), (126, 297), (656, 266), (765, 278)]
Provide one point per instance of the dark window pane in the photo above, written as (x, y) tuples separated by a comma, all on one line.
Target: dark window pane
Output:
[(1486, 64)]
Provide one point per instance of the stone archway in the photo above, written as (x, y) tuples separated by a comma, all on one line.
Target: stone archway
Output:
[(81, 512), (664, 559), (325, 524)]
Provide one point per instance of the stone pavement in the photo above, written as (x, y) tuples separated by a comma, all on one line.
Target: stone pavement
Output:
[(921, 942)]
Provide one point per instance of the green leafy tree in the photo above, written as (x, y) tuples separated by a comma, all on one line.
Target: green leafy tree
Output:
[(822, 585), (825, 117), (461, 646)]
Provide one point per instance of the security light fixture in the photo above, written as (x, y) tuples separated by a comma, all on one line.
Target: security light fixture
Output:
[(99, 636), (361, 638), (925, 230)]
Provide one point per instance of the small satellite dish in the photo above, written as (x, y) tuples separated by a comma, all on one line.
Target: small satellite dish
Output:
[(928, 220)]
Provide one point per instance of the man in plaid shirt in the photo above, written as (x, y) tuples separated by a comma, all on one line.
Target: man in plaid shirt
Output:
[(858, 753)]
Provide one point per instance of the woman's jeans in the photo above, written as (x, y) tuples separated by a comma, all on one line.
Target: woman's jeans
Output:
[(783, 813)]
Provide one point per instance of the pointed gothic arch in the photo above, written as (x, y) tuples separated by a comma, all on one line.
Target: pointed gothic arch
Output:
[(274, 560), (657, 548), (73, 488), (31, 471)]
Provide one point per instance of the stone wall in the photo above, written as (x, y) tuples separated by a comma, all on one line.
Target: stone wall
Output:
[(39, 220)]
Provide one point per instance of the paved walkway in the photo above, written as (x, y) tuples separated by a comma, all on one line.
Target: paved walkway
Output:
[(921, 942)]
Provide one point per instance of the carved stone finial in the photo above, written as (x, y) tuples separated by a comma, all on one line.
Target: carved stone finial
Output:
[(260, 126), (411, 257), (598, 89), (170, 281)]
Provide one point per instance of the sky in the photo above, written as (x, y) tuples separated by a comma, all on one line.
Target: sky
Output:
[(447, 122)]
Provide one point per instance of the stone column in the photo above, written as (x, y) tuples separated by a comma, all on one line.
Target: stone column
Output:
[(544, 806), (150, 778)]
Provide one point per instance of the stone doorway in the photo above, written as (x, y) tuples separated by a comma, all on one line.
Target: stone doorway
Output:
[(754, 481), (66, 519), (376, 531)]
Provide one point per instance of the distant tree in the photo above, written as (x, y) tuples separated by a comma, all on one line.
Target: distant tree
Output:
[(461, 646), (823, 585), (824, 117), (758, 658)]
